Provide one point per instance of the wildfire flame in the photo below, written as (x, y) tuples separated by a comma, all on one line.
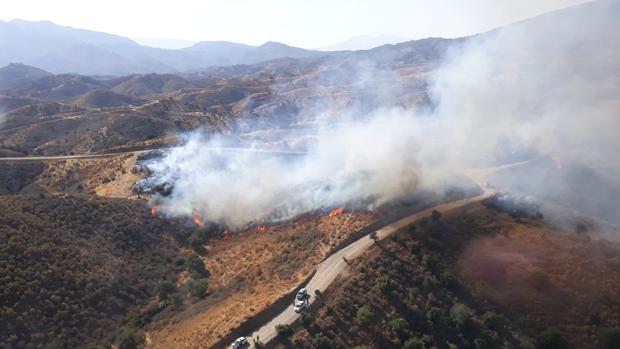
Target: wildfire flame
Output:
[(197, 219), (226, 234), (154, 210), (261, 229), (337, 212)]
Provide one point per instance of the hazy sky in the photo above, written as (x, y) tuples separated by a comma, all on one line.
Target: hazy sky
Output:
[(310, 23)]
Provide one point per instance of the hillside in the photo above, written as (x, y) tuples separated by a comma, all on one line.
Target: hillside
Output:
[(54, 87), (75, 270), (16, 72), (477, 279), (105, 99)]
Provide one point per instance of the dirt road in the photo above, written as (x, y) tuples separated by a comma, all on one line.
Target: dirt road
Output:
[(137, 152), (330, 268)]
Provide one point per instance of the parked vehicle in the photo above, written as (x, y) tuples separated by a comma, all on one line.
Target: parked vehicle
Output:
[(240, 343), (302, 295), (299, 306)]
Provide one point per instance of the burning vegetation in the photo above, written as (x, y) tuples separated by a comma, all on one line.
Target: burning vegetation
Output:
[(337, 212)]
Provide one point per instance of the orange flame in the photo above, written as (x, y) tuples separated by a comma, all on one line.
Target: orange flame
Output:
[(337, 212), (154, 210), (197, 219), (261, 229), (226, 234)]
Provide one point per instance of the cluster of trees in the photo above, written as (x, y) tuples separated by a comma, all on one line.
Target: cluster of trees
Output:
[(74, 269)]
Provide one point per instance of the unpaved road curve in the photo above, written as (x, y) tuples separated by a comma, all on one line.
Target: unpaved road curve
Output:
[(330, 268)]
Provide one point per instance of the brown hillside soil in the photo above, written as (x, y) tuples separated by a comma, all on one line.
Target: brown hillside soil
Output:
[(476, 278), (547, 274), (112, 177), (249, 271)]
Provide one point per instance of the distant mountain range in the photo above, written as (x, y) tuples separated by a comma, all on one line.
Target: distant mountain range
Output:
[(59, 49), (364, 42)]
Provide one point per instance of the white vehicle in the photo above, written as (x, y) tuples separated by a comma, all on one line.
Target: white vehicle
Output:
[(302, 295), (239, 343), (299, 306)]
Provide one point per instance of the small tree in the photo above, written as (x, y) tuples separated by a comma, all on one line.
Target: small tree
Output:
[(306, 318), (196, 267), (364, 315), (460, 313), (129, 338), (165, 289), (323, 342), (552, 338), (400, 327), (196, 243), (199, 288), (386, 284), (284, 331)]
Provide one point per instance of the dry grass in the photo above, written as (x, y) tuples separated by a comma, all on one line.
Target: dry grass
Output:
[(249, 270), (110, 177)]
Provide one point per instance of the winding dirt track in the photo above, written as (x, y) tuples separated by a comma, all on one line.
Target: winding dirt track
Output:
[(330, 268)]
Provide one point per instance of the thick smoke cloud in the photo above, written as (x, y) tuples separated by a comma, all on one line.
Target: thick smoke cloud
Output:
[(550, 85), (362, 162)]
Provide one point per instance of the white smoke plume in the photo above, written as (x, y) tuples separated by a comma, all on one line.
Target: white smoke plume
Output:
[(373, 161), (550, 85)]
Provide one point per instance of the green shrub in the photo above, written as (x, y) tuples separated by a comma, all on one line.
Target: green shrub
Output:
[(129, 338), (196, 267), (306, 318), (399, 326), (460, 313), (386, 284), (199, 288), (284, 331), (323, 342), (364, 315), (449, 280), (165, 290), (414, 343), (552, 338)]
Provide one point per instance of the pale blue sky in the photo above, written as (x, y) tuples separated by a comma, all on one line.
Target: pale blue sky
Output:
[(309, 24)]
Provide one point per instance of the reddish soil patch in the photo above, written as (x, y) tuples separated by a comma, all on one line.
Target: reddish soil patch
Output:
[(546, 274)]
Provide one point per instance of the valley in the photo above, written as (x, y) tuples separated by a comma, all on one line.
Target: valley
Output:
[(439, 193)]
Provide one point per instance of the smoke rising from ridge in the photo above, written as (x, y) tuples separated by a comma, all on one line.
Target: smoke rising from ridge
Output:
[(549, 85)]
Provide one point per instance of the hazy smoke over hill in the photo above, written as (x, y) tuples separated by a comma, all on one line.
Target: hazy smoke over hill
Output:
[(549, 85)]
